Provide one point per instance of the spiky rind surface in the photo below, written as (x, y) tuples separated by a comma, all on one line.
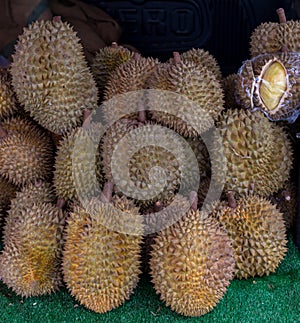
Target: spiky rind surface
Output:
[(48, 69), (192, 263), (188, 92), (100, 266), (257, 230), (30, 260), (7, 193), (258, 153), (26, 152), (7, 97), (229, 84)]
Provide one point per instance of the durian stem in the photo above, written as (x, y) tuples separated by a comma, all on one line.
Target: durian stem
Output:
[(142, 116), (281, 15), (286, 194), (57, 18), (3, 132), (60, 203), (194, 200), (158, 206), (86, 118), (176, 57), (114, 44), (231, 199), (107, 192)]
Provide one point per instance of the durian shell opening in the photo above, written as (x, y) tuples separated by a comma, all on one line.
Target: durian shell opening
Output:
[(273, 85)]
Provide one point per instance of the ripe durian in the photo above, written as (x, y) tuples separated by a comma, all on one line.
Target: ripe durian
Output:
[(7, 98), (100, 265), (271, 83), (189, 97), (257, 230), (51, 77), (273, 37), (30, 260), (107, 60), (192, 264), (26, 152), (258, 153)]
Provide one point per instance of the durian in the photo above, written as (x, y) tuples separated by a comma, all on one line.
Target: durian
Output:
[(7, 98), (26, 152), (51, 77), (271, 83), (100, 265), (228, 83), (7, 193), (258, 153), (257, 230), (273, 37), (187, 97), (192, 264)]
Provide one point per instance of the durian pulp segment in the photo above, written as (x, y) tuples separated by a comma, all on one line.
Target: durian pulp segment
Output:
[(273, 85)]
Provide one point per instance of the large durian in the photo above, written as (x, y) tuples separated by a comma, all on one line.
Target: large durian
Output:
[(271, 83), (257, 230), (101, 265), (258, 153), (192, 264), (30, 260), (26, 152), (274, 37), (7, 97), (187, 97), (51, 77)]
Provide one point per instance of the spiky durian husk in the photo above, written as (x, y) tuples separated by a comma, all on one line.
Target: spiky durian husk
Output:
[(254, 88), (7, 98), (271, 37), (192, 263), (101, 266), (257, 230), (30, 260), (187, 92), (51, 77), (229, 91), (129, 77), (26, 153), (77, 167), (106, 61), (258, 153), (7, 193), (201, 57)]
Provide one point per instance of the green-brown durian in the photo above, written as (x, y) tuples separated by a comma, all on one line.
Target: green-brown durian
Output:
[(100, 265), (30, 260), (51, 77), (187, 97), (7, 97), (257, 230), (258, 153), (192, 264), (26, 152), (271, 83)]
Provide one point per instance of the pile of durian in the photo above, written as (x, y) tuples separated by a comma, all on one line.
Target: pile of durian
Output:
[(99, 247)]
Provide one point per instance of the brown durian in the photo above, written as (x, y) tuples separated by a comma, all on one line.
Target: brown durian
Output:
[(257, 230), (51, 77), (7, 98), (228, 83), (7, 193)]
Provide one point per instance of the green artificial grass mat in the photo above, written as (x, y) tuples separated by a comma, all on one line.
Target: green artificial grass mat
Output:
[(273, 298)]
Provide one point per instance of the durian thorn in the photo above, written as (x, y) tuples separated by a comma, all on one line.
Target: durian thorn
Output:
[(158, 206), (57, 18), (231, 199), (60, 203), (193, 200), (137, 56), (3, 132), (107, 192), (284, 49), (286, 194), (176, 57), (86, 118), (281, 15), (114, 44), (38, 183), (251, 188)]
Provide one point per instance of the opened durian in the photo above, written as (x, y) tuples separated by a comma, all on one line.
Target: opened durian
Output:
[(7, 98), (51, 77), (257, 230), (101, 265), (271, 83)]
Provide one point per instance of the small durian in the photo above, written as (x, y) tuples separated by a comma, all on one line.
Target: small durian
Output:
[(26, 152), (101, 266), (271, 83), (257, 230), (258, 153), (107, 60), (30, 260), (192, 264), (189, 97), (273, 37), (7, 98), (51, 77), (228, 83)]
